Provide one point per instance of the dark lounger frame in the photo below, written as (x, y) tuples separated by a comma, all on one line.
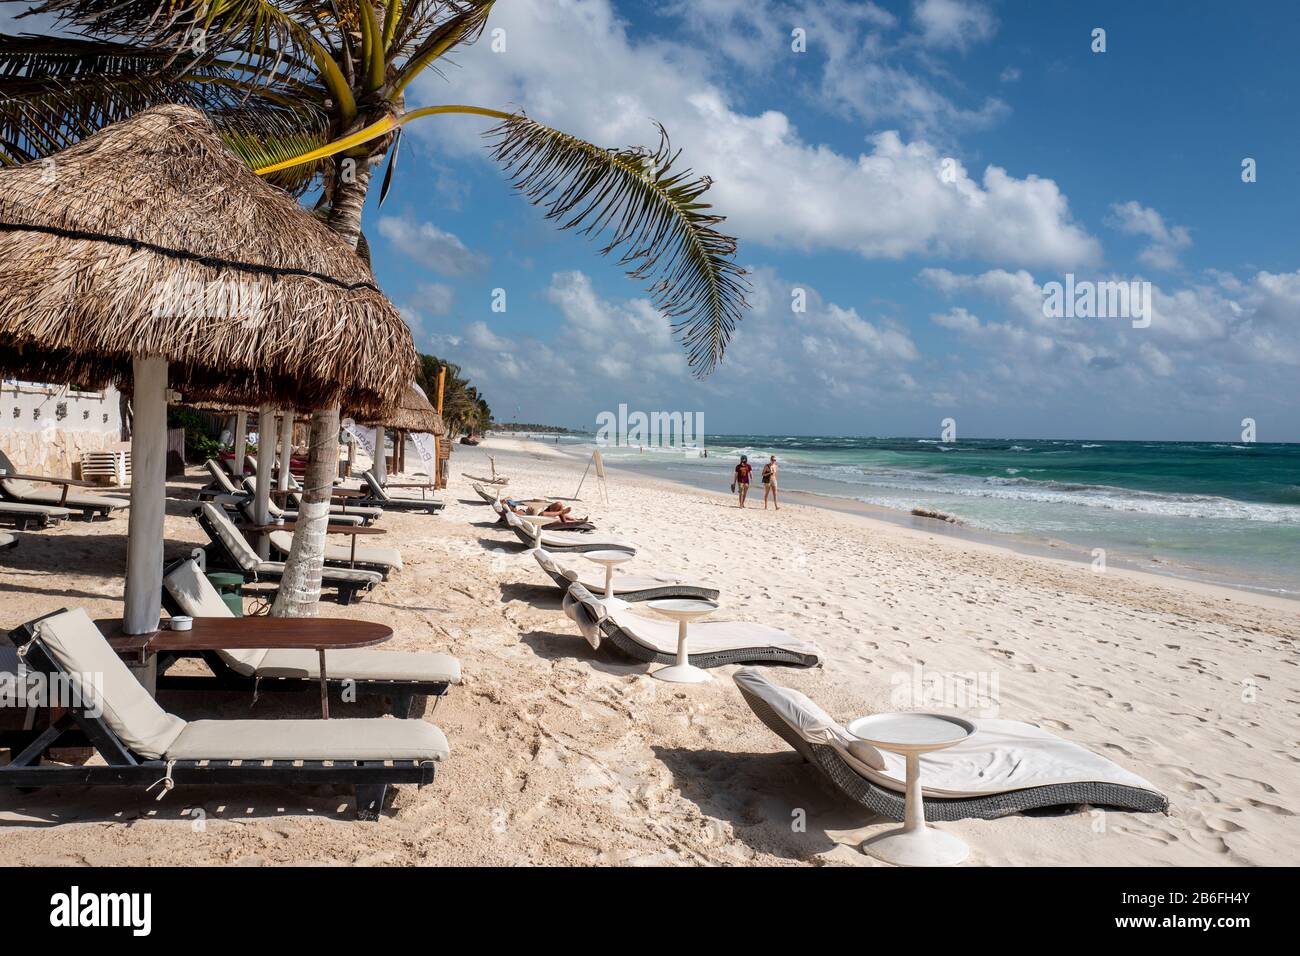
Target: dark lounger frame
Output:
[(369, 779)]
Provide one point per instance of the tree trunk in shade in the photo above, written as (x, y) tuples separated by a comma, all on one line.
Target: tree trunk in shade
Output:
[(299, 592)]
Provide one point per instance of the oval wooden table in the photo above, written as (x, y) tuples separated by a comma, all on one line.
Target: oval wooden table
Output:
[(250, 633)]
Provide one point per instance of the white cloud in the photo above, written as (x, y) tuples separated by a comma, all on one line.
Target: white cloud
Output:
[(1010, 74), (430, 246), (953, 23), (571, 64), (436, 297), (480, 336), (1166, 241)]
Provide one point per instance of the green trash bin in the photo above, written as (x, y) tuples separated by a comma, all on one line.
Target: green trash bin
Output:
[(230, 585)]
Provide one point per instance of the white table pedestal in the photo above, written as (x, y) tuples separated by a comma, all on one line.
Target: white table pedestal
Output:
[(683, 610), (914, 843)]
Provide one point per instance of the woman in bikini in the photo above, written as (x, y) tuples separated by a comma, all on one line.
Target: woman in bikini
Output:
[(741, 482), (769, 483)]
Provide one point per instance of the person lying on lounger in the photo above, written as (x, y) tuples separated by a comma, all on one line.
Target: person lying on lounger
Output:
[(561, 513)]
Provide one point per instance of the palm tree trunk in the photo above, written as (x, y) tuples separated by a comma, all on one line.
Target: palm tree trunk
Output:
[(299, 594)]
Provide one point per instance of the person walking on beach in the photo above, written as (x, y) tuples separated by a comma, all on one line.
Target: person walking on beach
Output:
[(769, 483), (741, 482)]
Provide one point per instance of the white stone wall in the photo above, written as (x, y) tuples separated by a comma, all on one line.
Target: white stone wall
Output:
[(45, 428)]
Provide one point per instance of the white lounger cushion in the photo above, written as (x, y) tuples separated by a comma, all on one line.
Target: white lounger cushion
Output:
[(196, 595), (198, 598), (593, 578), (567, 539), (706, 637), (1001, 756), (149, 731), (21, 508), (33, 494), (347, 739), (362, 665), (80, 649), (282, 541)]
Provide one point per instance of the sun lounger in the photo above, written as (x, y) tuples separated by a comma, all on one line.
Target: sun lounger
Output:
[(27, 492), (220, 483), (712, 643), (339, 514), (246, 508), (1005, 767), (408, 678), (230, 550), (144, 746), (379, 496), (23, 516), (627, 587), (490, 495), (565, 541), (371, 557)]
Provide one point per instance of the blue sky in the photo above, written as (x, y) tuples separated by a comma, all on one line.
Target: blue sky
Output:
[(923, 291)]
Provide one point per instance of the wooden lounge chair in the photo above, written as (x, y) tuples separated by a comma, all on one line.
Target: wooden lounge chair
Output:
[(1005, 767), (26, 491), (627, 587), (370, 557), (220, 483), (379, 496), (144, 746), (563, 542), (712, 643), (408, 679), (245, 508), (339, 513), (229, 550), (24, 517)]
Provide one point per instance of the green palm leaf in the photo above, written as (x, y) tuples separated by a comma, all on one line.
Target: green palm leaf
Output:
[(639, 206)]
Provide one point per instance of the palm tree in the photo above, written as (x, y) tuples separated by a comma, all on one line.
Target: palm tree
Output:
[(312, 94)]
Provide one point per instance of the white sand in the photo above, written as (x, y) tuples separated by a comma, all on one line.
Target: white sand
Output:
[(562, 755)]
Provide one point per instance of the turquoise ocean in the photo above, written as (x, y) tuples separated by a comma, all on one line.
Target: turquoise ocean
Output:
[(1217, 511)]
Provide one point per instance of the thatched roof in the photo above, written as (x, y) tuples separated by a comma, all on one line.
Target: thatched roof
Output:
[(413, 414), (152, 238)]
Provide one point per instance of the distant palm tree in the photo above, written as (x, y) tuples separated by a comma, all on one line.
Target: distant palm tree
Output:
[(312, 94)]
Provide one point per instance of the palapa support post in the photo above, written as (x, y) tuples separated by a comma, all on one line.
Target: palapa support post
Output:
[(265, 462), (144, 543), (286, 449), (241, 441), (380, 467)]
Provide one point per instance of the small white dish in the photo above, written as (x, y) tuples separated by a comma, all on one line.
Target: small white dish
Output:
[(182, 622)]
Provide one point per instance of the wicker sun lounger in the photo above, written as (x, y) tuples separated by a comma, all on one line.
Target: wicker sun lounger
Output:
[(563, 541), (407, 678), (144, 746), (826, 745), (712, 643), (627, 587)]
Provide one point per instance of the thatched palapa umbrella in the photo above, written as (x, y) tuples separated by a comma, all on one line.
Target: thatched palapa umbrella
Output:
[(412, 413), (149, 250)]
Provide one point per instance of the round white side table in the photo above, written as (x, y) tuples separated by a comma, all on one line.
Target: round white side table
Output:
[(683, 611), (914, 843), (537, 521), (609, 558)]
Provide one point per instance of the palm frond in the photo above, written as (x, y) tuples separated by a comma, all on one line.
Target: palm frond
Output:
[(633, 200)]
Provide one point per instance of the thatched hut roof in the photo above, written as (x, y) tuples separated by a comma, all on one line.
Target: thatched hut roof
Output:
[(152, 238), (412, 413)]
